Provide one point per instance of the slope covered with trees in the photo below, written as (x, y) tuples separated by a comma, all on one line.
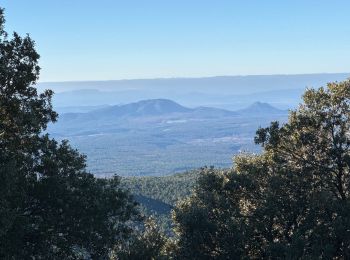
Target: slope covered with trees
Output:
[(157, 196), (168, 189)]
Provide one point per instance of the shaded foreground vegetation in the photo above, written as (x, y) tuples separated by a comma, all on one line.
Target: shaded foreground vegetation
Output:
[(289, 202), (292, 201)]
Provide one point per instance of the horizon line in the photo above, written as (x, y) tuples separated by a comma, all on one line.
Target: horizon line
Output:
[(199, 77)]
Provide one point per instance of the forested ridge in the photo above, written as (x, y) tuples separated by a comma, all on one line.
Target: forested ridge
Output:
[(291, 201), (168, 189)]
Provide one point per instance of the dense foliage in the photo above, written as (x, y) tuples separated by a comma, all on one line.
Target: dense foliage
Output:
[(50, 207), (158, 195), (168, 189), (292, 201), (148, 243)]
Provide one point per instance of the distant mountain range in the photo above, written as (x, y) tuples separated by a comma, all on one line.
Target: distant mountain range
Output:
[(235, 85), (160, 136), (228, 92), (165, 108), (152, 111), (162, 126)]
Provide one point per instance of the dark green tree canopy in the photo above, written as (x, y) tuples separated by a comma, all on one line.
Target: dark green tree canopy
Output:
[(50, 207), (292, 201)]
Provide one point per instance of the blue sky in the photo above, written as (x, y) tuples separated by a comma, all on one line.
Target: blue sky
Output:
[(111, 39)]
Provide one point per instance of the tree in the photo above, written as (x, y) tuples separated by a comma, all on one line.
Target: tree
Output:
[(291, 201), (147, 244), (311, 155), (209, 224), (50, 207)]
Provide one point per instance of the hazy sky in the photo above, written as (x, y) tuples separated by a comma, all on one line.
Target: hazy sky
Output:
[(111, 39)]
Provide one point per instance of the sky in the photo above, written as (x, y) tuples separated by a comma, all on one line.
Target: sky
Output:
[(111, 39)]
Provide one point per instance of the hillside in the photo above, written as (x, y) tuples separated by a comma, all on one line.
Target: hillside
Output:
[(167, 189), (260, 109), (158, 195), (150, 107), (143, 108)]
